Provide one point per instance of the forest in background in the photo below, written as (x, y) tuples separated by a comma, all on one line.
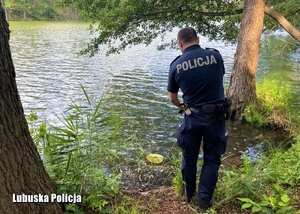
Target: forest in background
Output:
[(38, 10)]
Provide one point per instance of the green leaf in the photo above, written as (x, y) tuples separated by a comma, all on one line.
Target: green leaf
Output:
[(265, 197), (256, 209), (264, 203), (285, 198), (246, 200), (246, 205), (86, 95)]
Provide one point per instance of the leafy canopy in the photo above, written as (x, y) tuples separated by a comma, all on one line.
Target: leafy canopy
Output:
[(122, 23)]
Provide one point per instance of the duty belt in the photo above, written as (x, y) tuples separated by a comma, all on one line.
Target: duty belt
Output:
[(206, 107), (195, 109), (216, 108), (210, 109)]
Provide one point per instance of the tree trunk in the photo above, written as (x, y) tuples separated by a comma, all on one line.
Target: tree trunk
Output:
[(3, 5), (24, 15), (21, 169), (242, 86)]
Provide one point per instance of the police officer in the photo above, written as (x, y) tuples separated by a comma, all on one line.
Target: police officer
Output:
[(199, 74)]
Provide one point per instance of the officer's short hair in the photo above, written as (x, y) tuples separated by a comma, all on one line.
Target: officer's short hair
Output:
[(187, 35)]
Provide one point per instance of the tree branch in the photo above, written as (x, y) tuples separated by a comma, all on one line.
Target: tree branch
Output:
[(187, 9), (284, 23), (222, 202), (295, 11), (208, 13)]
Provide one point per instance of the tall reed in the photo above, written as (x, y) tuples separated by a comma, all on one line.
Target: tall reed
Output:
[(81, 154)]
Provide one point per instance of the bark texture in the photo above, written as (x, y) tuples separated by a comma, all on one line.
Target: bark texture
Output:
[(242, 86), (21, 169)]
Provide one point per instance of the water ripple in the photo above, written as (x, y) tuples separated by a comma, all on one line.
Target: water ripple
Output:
[(50, 72)]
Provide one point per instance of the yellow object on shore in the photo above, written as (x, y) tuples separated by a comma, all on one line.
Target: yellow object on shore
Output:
[(155, 158)]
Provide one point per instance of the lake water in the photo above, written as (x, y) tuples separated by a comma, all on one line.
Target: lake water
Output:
[(50, 71)]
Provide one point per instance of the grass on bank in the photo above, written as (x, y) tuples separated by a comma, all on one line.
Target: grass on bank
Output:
[(268, 186), (274, 106)]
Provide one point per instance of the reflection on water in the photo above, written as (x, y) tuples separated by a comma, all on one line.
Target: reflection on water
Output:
[(50, 71)]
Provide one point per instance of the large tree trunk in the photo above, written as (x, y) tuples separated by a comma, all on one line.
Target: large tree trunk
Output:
[(3, 5), (242, 86), (21, 169)]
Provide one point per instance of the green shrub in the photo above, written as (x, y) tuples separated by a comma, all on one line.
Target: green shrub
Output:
[(80, 154), (266, 186), (277, 202), (284, 166), (177, 180)]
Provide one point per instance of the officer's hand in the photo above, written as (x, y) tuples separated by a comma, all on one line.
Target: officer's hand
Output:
[(181, 108)]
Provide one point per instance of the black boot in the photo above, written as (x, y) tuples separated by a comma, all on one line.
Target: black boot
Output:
[(186, 196), (205, 207)]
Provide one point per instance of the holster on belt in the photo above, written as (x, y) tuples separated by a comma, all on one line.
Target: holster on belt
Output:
[(209, 111), (227, 108)]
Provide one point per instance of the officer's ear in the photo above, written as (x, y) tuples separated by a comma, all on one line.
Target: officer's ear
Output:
[(198, 39), (180, 44)]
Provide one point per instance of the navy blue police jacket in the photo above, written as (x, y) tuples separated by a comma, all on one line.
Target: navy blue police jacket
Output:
[(198, 73)]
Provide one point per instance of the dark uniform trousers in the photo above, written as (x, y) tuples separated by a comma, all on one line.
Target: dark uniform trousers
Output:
[(197, 128)]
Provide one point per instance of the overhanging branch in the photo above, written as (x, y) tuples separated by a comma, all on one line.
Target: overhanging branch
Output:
[(284, 23), (222, 13)]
